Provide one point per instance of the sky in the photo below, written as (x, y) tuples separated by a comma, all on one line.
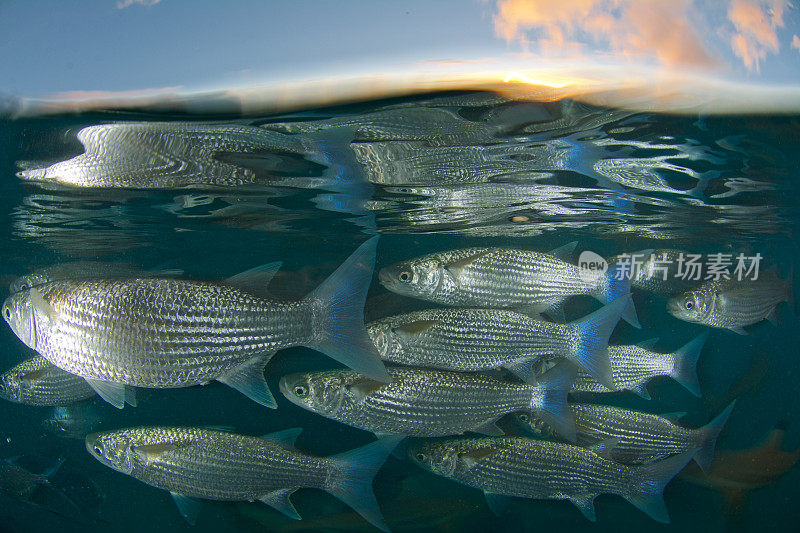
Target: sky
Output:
[(85, 48)]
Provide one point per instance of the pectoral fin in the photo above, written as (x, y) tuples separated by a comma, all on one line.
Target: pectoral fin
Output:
[(281, 501), (364, 387), (498, 503), (414, 328), (586, 505), (117, 394), (472, 457), (150, 453), (457, 268), (33, 375), (42, 307), (187, 507)]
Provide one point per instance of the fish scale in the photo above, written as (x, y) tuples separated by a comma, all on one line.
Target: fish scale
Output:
[(631, 366), (637, 438), (38, 382), (496, 278), (222, 466), (193, 462), (732, 303), (513, 466), (469, 339), (417, 402), (540, 469), (177, 333)]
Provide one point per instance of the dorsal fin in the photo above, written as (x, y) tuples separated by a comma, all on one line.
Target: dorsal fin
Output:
[(255, 280), (648, 344), (564, 252), (285, 438)]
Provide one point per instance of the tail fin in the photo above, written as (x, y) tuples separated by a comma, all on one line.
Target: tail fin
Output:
[(593, 333), (357, 469), (648, 485), (708, 437), (685, 359), (618, 284), (550, 400), (340, 322)]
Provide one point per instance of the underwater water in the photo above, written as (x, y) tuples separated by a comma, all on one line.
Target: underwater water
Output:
[(208, 197)]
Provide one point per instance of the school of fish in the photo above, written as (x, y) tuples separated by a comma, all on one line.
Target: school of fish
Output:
[(499, 349)]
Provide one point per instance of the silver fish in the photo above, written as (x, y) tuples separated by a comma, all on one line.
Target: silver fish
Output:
[(428, 403), (640, 438), (38, 382), (482, 339), (214, 465), (633, 366), (167, 333), (163, 155), (513, 466), (503, 278), (84, 270), (732, 304)]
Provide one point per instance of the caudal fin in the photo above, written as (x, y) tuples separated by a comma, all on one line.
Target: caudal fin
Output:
[(685, 359), (550, 400), (648, 485), (357, 469), (617, 285), (591, 352), (339, 322), (708, 437)]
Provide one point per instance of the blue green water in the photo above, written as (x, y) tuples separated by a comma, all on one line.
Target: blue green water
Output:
[(497, 173)]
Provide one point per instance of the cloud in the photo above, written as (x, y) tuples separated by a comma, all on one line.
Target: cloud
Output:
[(796, 43), (756, 29), (657, 29), (122, 4)]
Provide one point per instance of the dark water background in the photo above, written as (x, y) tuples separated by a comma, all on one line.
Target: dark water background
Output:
[(502, 174)]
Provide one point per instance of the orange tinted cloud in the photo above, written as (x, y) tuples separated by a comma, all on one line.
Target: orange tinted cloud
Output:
[(756, 29), (796, 43), (657, 29)]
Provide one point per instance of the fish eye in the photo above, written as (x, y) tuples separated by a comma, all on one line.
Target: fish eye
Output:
[(420, 457), (688, 304), (524, 417), (301, 391), (7, 312), (98, 449), (404, 276), (23, 287)]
